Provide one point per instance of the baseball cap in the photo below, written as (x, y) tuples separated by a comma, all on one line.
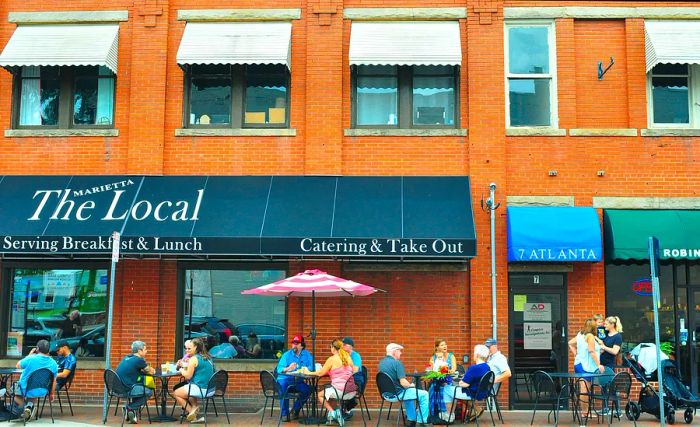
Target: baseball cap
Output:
[(491, 341), (393, 346), (348, 341), (298, 339)]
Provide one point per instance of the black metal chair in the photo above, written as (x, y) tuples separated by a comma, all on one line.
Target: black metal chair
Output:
[(66, 388), (360, 396), (340, 397), (387, 391), (545, 391), (483, 391), (618, 390), (461, 370), (493, 401), (271, 390), (216, 387), (116, 388), (39, 381)]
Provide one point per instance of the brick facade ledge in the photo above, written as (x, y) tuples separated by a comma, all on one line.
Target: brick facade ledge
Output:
[(55, 133), (602, 132), (535, 132), (68, 17), (222, 15), (595, 12), (408, 13), (235, 132), (405, 132), (619, 202), (670, 132)]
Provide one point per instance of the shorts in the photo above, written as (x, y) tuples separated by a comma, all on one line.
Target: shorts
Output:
[(331, 393), (199, 393)]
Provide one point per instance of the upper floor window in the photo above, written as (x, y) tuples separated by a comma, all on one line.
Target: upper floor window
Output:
[(237, 96), (64, 97), (531, 75), (672, 89), (405, 96)]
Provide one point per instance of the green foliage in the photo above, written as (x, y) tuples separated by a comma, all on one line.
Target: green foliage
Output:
[(667, 348)]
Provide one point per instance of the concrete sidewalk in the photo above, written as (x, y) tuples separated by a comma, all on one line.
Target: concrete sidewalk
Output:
[(92, 416)]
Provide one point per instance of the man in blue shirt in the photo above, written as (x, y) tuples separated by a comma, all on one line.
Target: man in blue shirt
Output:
[(405, 390), (349, 346), (66, 363), (224, 350), (38, 358), (293, 359)]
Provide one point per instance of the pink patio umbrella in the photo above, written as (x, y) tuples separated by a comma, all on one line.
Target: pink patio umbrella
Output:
[(313, 283)]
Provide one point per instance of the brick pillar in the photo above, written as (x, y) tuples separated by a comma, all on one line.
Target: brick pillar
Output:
[(148, 79), (324, 87), (636, 75)]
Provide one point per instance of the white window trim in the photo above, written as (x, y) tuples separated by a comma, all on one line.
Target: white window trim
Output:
[(693, 105), (552, 75)]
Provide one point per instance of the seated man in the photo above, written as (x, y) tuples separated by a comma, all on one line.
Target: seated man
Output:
[(131, 371), (38, 358), (498, 363), (66, 363), (469, 384), (392, 366), (293, 359), (225, 350), (349, 347)]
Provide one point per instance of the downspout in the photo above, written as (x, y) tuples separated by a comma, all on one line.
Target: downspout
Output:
[(492, 206)]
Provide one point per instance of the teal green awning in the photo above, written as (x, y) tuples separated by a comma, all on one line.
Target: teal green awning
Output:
[(627, 233)]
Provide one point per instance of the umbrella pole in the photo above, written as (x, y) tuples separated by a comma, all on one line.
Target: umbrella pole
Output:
[(313, 329)]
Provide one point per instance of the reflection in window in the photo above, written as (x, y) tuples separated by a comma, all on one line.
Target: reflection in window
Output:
[(377, 95), (53, 304), (670, 94), (93, 98), (234, 325), (210, 94), (529, 73), (433, 95), (39, 96), (266, 94)]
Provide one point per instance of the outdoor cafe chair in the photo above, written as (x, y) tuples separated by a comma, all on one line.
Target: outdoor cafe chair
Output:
[(613, 393), (64, 388), (483, 391), (388, 392), (493, 401), (545, 392), (116, 388), (271, 390), (41, 379), (360, 395), (216, 387), (340, 398)]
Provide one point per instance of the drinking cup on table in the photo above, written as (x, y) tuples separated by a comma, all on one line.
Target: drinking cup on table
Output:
[(165, 368), (317, 367)]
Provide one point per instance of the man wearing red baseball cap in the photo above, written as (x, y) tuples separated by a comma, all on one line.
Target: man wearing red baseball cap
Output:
[(292, 360)]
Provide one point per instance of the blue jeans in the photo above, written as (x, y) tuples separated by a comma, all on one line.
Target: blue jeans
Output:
[(142, 394), (410, 394), (295, 385)]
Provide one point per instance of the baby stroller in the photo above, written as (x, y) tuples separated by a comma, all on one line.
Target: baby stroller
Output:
[(677, 392), (641, 361)]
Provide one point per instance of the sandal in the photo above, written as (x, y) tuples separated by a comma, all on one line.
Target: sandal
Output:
[(193, 414)]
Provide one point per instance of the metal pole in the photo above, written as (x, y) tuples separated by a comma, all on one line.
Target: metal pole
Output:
[(656, 295), (491, 204), (313, 330), (108, 338)]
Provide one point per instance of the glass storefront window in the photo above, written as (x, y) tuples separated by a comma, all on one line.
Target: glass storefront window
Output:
[(215, 311), (58, 304), (625, 298)]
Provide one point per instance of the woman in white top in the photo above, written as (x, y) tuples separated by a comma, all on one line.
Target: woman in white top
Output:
[(586, 350)]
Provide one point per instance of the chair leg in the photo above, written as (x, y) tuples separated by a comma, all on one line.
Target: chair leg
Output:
[(226, 410), (366, 408), (51, 411), (60, 404), (379, 417), (116, 407), (206, 406), (534, 410), (70, 405), (389, 412), (263, 411), (214, 405)]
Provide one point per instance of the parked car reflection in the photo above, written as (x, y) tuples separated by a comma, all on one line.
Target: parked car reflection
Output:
[(270, 337)]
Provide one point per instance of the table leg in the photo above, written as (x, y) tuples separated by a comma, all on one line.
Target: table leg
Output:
[(163, 412)]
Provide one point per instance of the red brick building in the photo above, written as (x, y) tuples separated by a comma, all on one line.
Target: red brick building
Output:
[(516, 93)]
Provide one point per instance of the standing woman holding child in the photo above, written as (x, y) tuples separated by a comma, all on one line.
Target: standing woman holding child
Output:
[(612, 343), (586, 349)]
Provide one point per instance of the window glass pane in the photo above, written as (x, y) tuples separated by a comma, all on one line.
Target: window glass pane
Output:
[(433, 100), (266, 94), (376, 70), (377, 100), (433, 70), (678, 69), (635, 310), (215, 311), (670, 97), (528, 50), (529, 102), (39, 96), (53, 304), (210, 100), (93, 97)]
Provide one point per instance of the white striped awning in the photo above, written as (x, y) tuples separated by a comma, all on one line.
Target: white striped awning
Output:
[(236, 43), (63, 45), (405, 43), (672, 42)]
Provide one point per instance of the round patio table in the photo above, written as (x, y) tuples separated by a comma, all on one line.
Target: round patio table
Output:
[(568, 388), (164, 378)]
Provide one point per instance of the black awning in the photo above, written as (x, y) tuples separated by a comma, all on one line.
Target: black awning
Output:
[(239, 215)]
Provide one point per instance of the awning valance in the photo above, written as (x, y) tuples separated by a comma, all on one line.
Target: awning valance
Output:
[(627, 233), (63, 45), (244, 215), (405, 43), (553, 234), (236, 43), (672, 42)]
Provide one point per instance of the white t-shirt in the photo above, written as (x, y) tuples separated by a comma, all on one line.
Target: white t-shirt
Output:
[(498, 363)]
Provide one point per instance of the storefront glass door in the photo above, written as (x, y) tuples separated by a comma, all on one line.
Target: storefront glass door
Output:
[(689, 339), (537, 306)]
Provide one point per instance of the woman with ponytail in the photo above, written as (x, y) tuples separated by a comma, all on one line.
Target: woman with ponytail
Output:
[(612, 342), (339, 368)]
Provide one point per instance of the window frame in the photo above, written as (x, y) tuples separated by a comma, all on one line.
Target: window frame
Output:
[(182, 269), (693, 94), (238, 75), (67, 76), (8, 274), (552, 75), (404, 96)]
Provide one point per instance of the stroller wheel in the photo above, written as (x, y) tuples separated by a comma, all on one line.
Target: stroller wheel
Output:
[(671, 417), (688, 415), (632, 411)]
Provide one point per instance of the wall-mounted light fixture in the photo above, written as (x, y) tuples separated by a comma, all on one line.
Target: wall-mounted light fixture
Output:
[(552, 172)]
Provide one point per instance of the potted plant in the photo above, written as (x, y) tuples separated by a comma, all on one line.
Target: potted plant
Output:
[(668, 349)]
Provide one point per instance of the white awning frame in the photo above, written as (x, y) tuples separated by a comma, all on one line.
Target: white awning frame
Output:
[(671, 42), (236, 43), (405, 43), (63, 45)]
